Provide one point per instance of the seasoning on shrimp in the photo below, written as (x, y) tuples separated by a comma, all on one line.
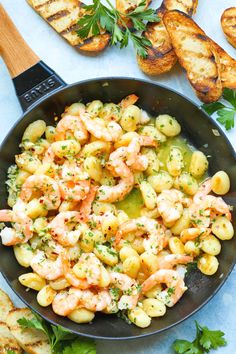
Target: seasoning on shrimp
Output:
[(99, 213)]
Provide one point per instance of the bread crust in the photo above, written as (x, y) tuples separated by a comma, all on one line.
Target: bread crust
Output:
[(63, 15), (33, 341), (196, 55), (161, 56), (228, 24)]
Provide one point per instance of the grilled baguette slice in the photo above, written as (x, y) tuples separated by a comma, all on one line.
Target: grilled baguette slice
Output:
[(196, 55), (63, 15), (161, 56), (33, 341), (6, 305), (228, 24), (126, 6), (8, 341), (227, 67)]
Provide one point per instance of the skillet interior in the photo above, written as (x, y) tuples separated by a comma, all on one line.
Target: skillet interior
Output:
[(197, 127)]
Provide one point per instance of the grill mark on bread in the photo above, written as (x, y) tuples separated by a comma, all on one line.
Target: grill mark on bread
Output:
[(48, 2), (199, 58), (69, 29), (63, 15), (161, 56), (201, 36), (57, 15)]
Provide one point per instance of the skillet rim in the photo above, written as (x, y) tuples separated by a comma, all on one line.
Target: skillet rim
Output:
[(209, 118)]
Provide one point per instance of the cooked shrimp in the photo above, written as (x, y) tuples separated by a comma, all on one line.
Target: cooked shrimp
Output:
[(193, 232), (118, 192), (92, 267), (155, 231), (131, 154), (74, 281), (169, 261), (71, 125), (74, 191), (97, 127), (51, 196), (133, 149), (128, 101), (92, 300), (71, 171), (174, 282), (63, 303), (86, 205), (130, 290), (169, 204), (21, 231), (97, 302), (48, 268), (61, 228), (203, 205), (203, 190)]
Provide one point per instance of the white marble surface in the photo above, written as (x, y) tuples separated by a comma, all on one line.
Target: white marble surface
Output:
[(221, 311)]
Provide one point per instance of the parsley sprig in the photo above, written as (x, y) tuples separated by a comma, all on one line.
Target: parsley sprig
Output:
[(225, 113), (205, 340), (101, 17), (60, 339)]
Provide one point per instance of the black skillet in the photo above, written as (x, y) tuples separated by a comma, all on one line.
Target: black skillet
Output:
[(42, 94)]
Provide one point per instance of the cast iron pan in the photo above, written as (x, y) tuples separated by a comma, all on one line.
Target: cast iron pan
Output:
[(43, 94)]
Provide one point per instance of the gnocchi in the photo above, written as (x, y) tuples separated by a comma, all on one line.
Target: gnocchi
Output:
[(222, 228), (175, 162), (168, 125), (198, 164), (220, 183), (106, 205)]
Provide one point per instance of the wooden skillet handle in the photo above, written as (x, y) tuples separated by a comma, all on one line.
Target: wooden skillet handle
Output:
[(15, 52)]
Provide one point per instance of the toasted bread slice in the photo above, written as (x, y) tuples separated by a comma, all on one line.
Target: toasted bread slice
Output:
[(8, 341), (6, 305), (228, 24), (63, 15), (189, 7), (126, 6), (161, 56), (33, 341), (227, 67), (196, 54)]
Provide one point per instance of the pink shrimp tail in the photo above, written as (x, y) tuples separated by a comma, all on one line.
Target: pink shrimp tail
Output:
[(6, 215), (86, 205)]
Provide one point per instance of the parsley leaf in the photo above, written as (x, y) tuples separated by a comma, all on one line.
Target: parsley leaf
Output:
[(58, 337), (204, 341), (35, 322), (211, 108), (80, 347), (60, 334), (11, 352), (99, 17), (182, 346), (226, 118), (225, 113), (230, 96), (212, 339)]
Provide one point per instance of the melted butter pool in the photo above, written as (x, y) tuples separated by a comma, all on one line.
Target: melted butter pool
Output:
[(180, 143), (132, 204)]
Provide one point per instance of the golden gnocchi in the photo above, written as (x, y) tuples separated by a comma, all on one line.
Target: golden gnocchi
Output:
[(107, 208)]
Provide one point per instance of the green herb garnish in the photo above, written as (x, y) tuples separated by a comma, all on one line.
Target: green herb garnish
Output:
[(205, 340), (100, 17), (225, 113), (60, 339)]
